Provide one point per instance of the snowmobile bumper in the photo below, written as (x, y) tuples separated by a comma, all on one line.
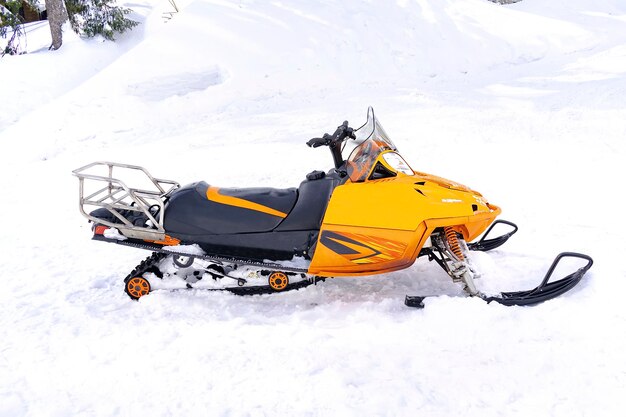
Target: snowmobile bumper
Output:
[(485, 244)]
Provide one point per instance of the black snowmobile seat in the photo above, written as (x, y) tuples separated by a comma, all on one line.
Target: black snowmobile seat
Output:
[(273, 201), (198, 209), (313, 196)]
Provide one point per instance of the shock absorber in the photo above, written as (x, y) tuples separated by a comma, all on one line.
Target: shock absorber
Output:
[(453, 242), (461, 269)]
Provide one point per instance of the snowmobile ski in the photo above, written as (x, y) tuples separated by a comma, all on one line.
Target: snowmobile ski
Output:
[(457, 266), (546, 290)]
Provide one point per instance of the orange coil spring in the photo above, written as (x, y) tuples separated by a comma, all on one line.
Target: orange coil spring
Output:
[(453, 241)]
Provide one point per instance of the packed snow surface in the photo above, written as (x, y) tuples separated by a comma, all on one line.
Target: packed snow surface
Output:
[(524, 103)]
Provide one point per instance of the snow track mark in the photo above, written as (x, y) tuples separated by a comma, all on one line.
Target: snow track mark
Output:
[(162, 88)]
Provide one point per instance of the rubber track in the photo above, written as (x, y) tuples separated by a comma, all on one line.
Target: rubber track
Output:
[(147, 265), (150, 265)]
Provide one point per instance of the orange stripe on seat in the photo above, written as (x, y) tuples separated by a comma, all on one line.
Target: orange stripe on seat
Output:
[(213, 194)]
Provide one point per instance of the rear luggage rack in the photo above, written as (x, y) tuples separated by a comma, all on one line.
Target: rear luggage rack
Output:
[(120, 199)]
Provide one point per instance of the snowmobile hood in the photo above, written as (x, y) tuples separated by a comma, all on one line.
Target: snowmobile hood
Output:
[(443, 182), (444, 193)]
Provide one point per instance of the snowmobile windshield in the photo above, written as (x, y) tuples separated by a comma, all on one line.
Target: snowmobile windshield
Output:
[(371, 141)]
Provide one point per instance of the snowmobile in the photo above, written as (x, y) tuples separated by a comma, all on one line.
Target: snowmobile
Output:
[(370, 214)]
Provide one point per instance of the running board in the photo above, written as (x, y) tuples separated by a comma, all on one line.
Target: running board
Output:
[(545, 291), (153, 247)]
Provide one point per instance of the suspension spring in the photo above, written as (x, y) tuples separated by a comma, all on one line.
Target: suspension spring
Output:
[(453, 242)]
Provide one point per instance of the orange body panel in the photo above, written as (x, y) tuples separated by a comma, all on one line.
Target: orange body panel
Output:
[(363, 251), (379, 226)]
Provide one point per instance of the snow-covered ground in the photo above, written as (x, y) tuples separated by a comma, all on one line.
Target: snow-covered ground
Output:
[(525, 103)]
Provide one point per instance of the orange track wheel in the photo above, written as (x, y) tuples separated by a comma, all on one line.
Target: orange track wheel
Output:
[(137, 287), (278, 281)]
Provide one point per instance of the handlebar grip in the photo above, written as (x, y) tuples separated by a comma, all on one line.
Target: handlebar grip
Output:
[(316, 142)]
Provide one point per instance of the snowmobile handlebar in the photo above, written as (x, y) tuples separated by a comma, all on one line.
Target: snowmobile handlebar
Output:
[(334, 141), (342, 133)]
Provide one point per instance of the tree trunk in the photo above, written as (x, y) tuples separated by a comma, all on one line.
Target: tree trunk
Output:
[(57, 15)]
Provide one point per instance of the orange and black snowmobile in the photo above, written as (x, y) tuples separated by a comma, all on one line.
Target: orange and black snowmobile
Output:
[(370, 214)]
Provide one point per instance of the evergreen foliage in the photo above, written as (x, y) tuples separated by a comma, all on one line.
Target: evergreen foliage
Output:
[(10, 21), (98, 17)]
